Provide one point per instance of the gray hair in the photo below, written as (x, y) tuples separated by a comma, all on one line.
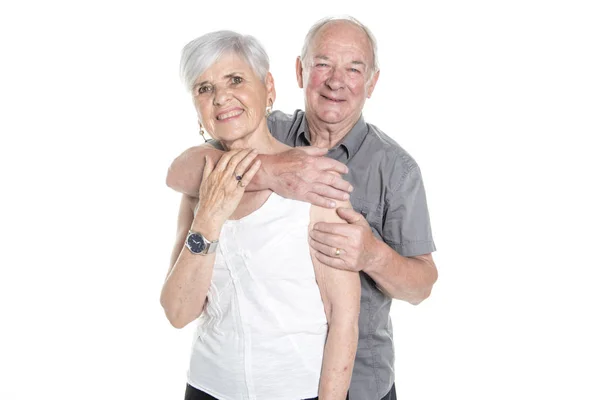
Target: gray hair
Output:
[(321, 23), (199, 54)]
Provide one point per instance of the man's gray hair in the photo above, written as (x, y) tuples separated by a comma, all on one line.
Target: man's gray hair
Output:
[(321, 23), (199, 54)]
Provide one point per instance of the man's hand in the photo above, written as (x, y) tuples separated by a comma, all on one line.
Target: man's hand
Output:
[(304, 174), (355, 242)]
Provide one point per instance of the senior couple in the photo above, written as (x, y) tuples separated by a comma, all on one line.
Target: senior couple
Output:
[(289, 269)]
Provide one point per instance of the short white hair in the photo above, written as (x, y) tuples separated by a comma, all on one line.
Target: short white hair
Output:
[(312, 32), (199, 54)]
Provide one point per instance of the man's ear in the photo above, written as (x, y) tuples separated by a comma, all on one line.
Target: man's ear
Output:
[(299, 71), (270, 83), (371, 84)]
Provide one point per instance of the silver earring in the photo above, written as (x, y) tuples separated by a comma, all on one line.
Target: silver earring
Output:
[(202, 134)]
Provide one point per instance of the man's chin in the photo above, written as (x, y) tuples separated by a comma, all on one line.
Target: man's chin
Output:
[(331, 117)]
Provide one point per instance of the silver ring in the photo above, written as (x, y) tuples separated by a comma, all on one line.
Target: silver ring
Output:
[(338, 251)]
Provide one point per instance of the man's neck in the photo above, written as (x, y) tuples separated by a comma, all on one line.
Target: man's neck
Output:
[(328, 135)]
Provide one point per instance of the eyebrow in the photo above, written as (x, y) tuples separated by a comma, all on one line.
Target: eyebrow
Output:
[(322, 57)]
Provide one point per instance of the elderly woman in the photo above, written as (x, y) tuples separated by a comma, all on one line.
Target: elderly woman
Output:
[(274, 323)]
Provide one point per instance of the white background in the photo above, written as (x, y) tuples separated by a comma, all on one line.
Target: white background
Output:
[(498, 101)]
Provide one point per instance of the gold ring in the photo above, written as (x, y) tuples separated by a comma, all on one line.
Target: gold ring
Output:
[(338, 251), (241, 184)]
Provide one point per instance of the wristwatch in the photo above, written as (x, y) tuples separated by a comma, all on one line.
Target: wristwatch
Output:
[(198, 244)]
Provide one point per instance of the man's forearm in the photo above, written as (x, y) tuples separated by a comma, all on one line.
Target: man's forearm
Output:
[(300, 174), (185, 173), (405, 278)]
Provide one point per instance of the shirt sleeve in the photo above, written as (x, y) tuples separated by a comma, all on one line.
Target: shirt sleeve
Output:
[(406, 225)]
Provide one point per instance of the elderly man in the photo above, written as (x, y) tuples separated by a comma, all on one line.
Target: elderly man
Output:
[(388, 237)]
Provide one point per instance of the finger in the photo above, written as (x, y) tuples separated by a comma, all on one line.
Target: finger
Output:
[(236, 159), (329, 164), (351, 216), (335, 262), (314, 150), (328, 191), (224, 160), (208, 168), (319, 200), (328, 239), (336, 181), (325, 249), (247, 177), (243, 165), (341, 229)]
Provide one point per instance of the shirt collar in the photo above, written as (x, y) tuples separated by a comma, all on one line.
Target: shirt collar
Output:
[(350, 143)]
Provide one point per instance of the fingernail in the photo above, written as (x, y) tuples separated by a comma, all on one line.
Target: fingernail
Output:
[(351, 188), (346, 196), (331, 204)]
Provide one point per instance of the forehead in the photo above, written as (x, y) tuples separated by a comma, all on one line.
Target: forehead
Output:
[(225, 65), (341, 37)]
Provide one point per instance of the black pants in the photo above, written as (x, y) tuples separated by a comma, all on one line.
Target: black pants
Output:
[(191, 393)]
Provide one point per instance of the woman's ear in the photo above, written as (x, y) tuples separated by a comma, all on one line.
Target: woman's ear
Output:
[(271, 93)]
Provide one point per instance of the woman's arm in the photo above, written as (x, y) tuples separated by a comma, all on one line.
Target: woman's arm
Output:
[(186, 286), (188, 280), (340, 291)]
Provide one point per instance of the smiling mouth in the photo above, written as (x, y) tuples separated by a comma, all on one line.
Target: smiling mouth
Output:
[(333, 100), (228, 115)]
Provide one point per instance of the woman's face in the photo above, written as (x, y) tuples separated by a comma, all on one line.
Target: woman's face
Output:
[(230, 99)]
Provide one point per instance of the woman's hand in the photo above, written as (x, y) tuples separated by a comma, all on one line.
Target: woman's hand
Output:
[(223, 185)]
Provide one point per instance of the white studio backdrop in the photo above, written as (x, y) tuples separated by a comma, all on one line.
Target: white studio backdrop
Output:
[(497, 101)]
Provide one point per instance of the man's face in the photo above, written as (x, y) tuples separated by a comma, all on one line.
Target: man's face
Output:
[(335, 75)]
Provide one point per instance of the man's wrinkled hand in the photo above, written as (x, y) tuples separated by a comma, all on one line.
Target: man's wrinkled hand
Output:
[(350, 246), (305, 174)]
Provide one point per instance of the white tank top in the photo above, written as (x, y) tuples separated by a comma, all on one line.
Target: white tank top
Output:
[(262, 333)]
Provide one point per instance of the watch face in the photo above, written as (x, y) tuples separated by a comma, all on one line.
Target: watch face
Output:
[(195, 243)]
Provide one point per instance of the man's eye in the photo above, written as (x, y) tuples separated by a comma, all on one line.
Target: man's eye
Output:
[(236, 80), (354, 70), (321, 65)]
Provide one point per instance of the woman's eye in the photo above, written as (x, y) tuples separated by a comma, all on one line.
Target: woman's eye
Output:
[(204, 89), (236, 80)]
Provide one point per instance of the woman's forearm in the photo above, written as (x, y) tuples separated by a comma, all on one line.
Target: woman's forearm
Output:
[(338, 358), (186, 287)]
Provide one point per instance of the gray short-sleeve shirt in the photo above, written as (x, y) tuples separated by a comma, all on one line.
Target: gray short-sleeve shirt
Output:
[(389, 193)]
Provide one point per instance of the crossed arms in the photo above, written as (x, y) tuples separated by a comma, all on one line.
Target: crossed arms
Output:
[(303, 174)]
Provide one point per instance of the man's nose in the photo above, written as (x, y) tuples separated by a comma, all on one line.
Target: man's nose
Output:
[(335, 81)]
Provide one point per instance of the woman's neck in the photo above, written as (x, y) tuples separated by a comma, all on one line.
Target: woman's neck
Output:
[(261, 140)]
